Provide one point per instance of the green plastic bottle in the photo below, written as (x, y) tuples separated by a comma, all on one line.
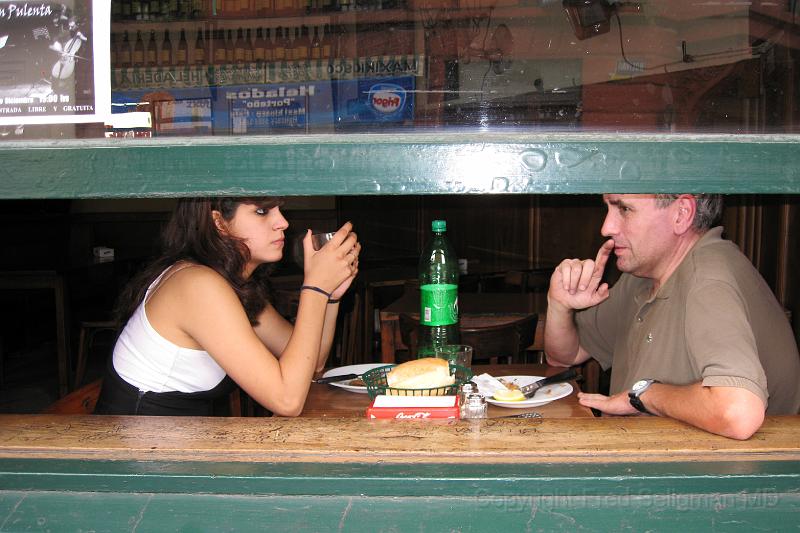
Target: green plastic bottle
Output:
[(438, 285)]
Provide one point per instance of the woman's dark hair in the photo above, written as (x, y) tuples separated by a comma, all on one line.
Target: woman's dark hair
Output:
[(191, 235)]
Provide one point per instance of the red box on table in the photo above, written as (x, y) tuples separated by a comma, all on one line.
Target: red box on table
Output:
[(413, 407)]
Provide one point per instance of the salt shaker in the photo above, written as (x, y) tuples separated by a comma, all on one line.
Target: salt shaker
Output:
[(476, 406), (466, 389)]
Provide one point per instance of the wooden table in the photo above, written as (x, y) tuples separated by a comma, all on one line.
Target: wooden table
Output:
[(500, 305), (152, 473), (326, 401)]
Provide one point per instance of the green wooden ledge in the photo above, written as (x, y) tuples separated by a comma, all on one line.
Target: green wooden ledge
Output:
[(407, 163), (47, 495)]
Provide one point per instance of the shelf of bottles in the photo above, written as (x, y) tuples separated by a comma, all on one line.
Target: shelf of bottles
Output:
[(191, 43)]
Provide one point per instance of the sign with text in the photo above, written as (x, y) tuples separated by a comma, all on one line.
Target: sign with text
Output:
[(271, 72), (54, 62), (274, 107)]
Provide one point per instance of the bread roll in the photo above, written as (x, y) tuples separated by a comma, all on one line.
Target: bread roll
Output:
[(425, 373)]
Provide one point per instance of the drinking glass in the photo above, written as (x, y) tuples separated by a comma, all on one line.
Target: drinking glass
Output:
[(457, 354), (318, 240)]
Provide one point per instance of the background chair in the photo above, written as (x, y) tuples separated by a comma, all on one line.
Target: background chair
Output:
[(491, 340)]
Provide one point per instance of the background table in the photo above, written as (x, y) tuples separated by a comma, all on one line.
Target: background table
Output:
[(494, 306), (334, 402)]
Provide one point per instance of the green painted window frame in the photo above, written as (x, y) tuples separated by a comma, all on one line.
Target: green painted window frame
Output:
[(402, 163)]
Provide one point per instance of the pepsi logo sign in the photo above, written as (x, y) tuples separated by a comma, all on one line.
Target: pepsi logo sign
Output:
[(387, 98)]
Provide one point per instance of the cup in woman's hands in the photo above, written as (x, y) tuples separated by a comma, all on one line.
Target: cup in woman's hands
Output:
[(318, 240)]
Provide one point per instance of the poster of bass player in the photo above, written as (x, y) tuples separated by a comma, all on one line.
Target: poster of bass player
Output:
[(54, 62)]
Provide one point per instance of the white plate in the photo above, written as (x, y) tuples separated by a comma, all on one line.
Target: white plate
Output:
[(351, 369), (543, 396)]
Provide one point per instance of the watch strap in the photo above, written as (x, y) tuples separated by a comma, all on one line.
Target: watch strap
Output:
[(636, 402)]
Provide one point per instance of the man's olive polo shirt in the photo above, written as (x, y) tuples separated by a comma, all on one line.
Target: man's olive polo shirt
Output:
[(714, 320)]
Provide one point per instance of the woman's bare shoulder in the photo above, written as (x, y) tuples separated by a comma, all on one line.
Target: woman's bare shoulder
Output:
[(194, 279)]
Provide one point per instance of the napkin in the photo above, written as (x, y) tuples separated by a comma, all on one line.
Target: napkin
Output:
[(488, 385)]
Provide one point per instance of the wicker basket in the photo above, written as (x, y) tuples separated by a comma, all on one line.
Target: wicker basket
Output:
[(375, 380)]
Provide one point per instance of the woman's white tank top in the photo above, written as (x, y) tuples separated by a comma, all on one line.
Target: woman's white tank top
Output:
[(148, 361)]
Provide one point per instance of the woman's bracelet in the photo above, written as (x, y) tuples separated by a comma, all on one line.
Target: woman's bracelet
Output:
[(326, 293)]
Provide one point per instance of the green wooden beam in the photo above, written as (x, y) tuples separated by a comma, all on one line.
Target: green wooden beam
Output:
[(81, 495), (407, 163), (115, 512), (468, 480)]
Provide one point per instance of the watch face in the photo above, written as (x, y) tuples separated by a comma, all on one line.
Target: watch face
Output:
[(639, 385)]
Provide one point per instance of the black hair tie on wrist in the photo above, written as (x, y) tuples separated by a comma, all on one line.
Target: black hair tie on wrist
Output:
[(334, 300), (316, 289)]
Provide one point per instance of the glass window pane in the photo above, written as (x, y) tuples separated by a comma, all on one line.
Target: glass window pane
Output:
[(272, 67)]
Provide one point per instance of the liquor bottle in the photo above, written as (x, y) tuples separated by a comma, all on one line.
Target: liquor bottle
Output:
[(279, 50), (259, 47), (124, 55), (125, 10), (181, 57), (301, 44), (199, 52), (264, 8), (327, 39), (220, 55), (438, 285), (155, 9), (230, 48), (166, 58), (238, 50), (289, 37), (269, 46), (245, 8), (116, 11), (112, 48), (248, 47), (316, 45), (306, 38), (198, 9), (136, 9), (138, 51)]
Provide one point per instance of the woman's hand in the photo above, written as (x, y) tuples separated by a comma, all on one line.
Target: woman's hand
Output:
[(332, 267), (339, 291)]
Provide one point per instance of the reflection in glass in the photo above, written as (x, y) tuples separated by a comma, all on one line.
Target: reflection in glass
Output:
[(266, 67)]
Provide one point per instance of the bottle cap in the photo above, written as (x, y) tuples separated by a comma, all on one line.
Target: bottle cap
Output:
[(439, 225)]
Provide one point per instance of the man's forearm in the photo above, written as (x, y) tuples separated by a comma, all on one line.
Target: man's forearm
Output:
[(561, 342), (728, 411)]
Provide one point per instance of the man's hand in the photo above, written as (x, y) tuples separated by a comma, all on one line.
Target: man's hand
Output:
[(575, 283), (619, 404)]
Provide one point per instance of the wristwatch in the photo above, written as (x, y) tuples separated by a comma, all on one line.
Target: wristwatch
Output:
[(637, 390)]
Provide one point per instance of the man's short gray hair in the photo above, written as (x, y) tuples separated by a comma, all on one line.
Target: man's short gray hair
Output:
[(709, 208)]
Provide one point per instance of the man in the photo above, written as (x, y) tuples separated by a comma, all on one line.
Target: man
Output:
[(691, 330)]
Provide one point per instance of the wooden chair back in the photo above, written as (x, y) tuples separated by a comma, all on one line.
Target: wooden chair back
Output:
[(79, 402), (492, 338), (494, 342)]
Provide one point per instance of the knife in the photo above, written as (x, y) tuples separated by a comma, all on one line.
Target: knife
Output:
[(529, 390), (332, 379)]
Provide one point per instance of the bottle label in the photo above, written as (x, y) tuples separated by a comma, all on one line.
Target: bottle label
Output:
[(439, 304)]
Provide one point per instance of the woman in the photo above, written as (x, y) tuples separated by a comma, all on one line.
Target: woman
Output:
[(200, 313)]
